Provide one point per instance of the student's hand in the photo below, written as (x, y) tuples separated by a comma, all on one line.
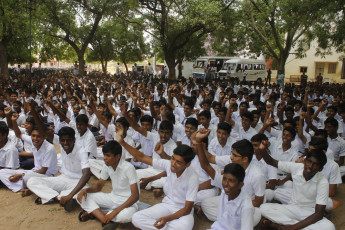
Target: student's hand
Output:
[(65, 199), (144, 181), (160, 223), (107, 218), (14, 116), (310, 104), (15, 177), (159, 148), (124, 108), (264, 145), (324, 102), (280, 182), (83, 193), (119, 134), (8, 110), (197, 137), (269, 122), (300, 160)]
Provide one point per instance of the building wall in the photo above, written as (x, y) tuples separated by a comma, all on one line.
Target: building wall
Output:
[(315, 65)]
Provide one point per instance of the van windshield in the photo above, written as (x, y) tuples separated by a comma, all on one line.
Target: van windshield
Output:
[(200, 63), (227, 65)]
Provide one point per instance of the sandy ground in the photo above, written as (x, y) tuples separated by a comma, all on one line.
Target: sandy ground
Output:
[(22, 213)]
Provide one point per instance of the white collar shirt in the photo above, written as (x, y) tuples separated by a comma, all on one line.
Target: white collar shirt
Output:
[(331, 171), (337, 145), (9, 156), (269, 171), (216, 149), (168, 147)]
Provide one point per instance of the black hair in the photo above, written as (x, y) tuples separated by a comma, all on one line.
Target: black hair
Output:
[(290, 130), (225, 126), (244, 148), (166, 125), (319, 143), (321, 132), (82, 118), (146, 118), (171, 117), (4, 128), (332, 121), (192, 121), (107, 114), (332, 107), (236, 170), (258, 138), (207, 101), (319, 155), (2, 107), (185, 152), (190, 103), (205, 113), (18, 103), (123, 122), (244, 103), (290, 121), (223, 109), (112, 147), (66, 130), (30, 120), (248, 115)]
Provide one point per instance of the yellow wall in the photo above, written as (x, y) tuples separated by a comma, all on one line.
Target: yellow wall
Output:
[(293, 64)]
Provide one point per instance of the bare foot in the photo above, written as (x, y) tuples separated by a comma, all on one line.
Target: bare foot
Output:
[(158, 192), (197, 210), (25, 192)]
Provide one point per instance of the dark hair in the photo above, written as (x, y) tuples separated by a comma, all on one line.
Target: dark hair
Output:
[(332, 107), (112, 147), (290, 130), (171, 117), (248, 115), (205, 113), (236, 170), (321, 132), (207, 101), (190, 103), (4, 128), (2, 107), (332, 121), (244, 103), (192, 121), (66, 130), (290, 121), (166, 125), (18, 103), (30, 120), (122, 121), (225, 126), (244, 148), (223, 109), (319, 155), (146, 118), (258, 138), (82, 118), (107, 114), (185, 152), (319, 143)]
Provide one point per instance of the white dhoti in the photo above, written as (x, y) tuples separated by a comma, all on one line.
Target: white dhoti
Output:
[(204, 194), (146, 218), (21, 183), (292, 214), (51, 187), (148, 172), (109, 202), (96, 166)]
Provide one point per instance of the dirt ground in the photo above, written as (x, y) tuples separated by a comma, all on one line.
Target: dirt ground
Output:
[(22, 213)]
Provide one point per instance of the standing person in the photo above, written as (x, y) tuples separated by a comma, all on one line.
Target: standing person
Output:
[(150, 70), (117, 73), (228, 72), (280, 78), (135, 70), (163, 73), (304, 79), (244, 76), (319, 79), (268, 79), (75, 68)]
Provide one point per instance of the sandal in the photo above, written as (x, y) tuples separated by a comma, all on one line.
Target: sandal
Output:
[(83, 216), (38, 200)]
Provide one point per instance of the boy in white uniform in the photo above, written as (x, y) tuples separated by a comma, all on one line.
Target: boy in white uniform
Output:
[(235, 208), (121, 202), (175, 212), (75, 173), (8, 153), (309, 196)]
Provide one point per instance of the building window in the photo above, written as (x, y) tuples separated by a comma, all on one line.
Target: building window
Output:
[(303, 69), (332, 67)]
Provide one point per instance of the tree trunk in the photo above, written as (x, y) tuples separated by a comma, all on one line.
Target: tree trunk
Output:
[(126, 68), (170, 60), (3, 61), (104, 66), (180, 75), (81, 64)]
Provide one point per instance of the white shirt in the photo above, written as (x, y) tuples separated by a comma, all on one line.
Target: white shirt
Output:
[(234, 214), (306, 193), (331, 171), (178, 190), (213, 132), (168, 147), (269, 171), (180, 112), (9, 156), (74, 162), (46, 156), (88, 141), (216, 149), (121, 179), (242, 134), (337, 145)]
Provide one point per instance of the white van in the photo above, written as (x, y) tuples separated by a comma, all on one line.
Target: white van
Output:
[(255, 69), (201, 64)]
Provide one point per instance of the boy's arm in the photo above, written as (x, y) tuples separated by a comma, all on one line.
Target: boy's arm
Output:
[(144, 181), (8, 111), (111, 108), (98, 115), (300, 128), (41, 127), (94, 188), (15, 125), (82, 182), (133, 151), (267, 158), (229, 113), (135, 126)]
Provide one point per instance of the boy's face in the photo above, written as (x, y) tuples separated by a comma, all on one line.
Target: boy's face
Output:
[(216, 109), (256, 145), (206, 106), (17, 107), (287, 137), (73, 102), (221, 116), (330, 113), (245, 122), (110, 159), (204, 121), (331, 130), (164, 135), (243, 108), (81, 127), (298, 107), (118, 126), (76, 110), (3, 137), (156, 109), (67, 143), (230, 184), (100, 109), (289, 114), (146, 125), (13, 97), (189, 130), (89, 110), (178, 164), (311, 167), (237, 158), (2, 99), (187, 110), (256, 118), (222, 136), (37, 139)]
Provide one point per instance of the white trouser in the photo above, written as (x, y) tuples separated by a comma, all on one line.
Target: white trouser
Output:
[(109, 202), (21, 183), (50, 187), (146, 218), (148, 172), (204, 194), (278, 194), (210, 205), (292, 214), (96, 166)]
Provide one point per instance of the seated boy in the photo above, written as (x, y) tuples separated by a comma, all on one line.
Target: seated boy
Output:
[(221, 144), (175, 212), (8, 153), (309, 196), (120, 204), (235, 208)]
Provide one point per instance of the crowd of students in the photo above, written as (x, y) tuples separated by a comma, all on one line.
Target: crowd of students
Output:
[(243, 155)]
